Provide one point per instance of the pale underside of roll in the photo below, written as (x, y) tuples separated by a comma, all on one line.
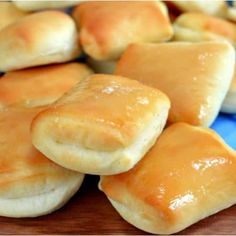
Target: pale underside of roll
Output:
[(229, 104), (188, 175), (35, 5)]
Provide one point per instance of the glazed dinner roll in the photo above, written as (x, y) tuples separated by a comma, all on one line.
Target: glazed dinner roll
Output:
[(107, 28), (38, 39), (104, 125), (40, 85), (189, 174), (229, 104), (31, 185), (208, 7), (199, 27), (34, 5), (195, 76), (9, 13)]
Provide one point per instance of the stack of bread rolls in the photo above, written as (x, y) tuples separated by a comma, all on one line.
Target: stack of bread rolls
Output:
[(142, 124)]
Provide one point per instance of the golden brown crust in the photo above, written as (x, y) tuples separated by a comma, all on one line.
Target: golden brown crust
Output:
[(102, 126), (184, 71), (189, 174), (41, 85), (9, 14), (207, 27), (38, 39), (88, 108), (107, 28)]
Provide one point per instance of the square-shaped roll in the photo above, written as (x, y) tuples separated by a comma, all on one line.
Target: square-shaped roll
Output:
[(195, 76), (30, 184), (194, 27), (40, 85), (189, 174), (108, 27), (41, 38), (102, 126)]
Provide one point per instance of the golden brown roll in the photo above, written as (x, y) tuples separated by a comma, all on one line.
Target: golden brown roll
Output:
[(40, 85), (216, 8), (102, 126), (195, 76), (34, 5), (30, 184), (107, 28), (189, 174), (198, 27), (9, 14), (229, 104), (38, 39)]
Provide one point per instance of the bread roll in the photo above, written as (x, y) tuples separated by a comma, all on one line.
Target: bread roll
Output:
[(107, 28), (9, 14), (102, 126), (31, 185), (102, 67), (40, 85), (195, 76), (34, 5), (189, 174), (216, 8), (229, 104), (38, 39), (198, 27)]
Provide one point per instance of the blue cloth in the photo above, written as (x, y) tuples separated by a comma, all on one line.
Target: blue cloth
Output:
[(225, 126)]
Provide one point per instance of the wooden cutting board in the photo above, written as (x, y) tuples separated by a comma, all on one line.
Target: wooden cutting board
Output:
[(89, 212)]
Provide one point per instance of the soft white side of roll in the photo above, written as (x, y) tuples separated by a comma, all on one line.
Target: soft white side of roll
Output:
[(137, 213), (144, 217), (229, 104), (189, 35), (42, 5), (42, 204)]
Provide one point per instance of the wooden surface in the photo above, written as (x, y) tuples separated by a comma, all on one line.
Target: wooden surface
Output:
[(89, 212)]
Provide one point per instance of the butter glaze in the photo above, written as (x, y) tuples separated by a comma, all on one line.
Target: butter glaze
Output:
[(189, 174)]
